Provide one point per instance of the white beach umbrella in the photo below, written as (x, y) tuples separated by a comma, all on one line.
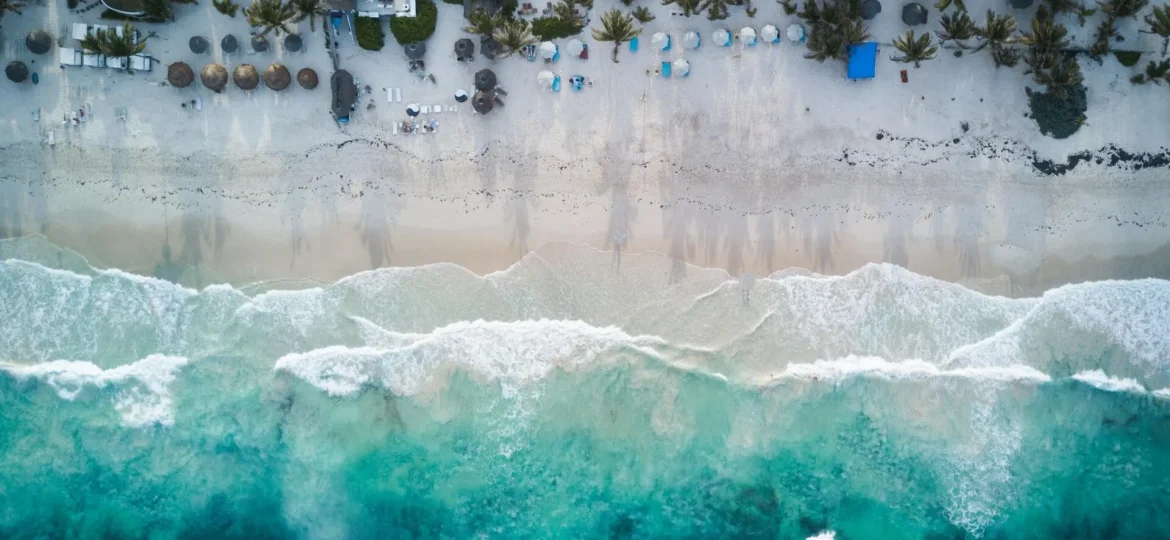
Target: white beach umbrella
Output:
[(769, 34), (691, 40), (682, 67), (575, 47), (548, 50), (796, 33), (545, 78), (660, 41), (747, 36), (722, 37)]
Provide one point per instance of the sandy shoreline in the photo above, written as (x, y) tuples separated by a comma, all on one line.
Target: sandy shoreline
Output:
[(760, 161)]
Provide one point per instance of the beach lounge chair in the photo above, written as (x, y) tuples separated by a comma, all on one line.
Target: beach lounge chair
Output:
[(69, 56), (666, 70), (556, 84), (634, 45)]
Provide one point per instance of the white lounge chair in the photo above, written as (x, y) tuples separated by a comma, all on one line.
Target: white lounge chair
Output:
[(116, 63), (141, 62), (93, 60), (69, 56), (80, 30), (425, 109)]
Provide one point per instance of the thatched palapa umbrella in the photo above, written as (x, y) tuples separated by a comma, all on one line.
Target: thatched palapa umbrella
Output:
[(292, 43), (483, 102), (259, 43), (180, 75), (914, 14), (229, 44), (464, 49), (307, 78), (198, 44), (485, 79), (246, 77), (16, 71), (415, 51), (277, 77), (38, 42), (214, 76), (870, 9)]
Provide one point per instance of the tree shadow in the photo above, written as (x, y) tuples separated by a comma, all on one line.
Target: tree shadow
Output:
[(819, 240), (894, 243), (377, 219)]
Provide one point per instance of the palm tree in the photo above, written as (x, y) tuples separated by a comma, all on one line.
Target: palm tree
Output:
[(109, 43), (957, 27), (10, 5), (1040, 60), (565, 12), (1046, 35), (270, 15), (1063, 75), (788, 5), (482, 23), (227, 7), (158, 10), (1113, 10), (512, 36), (997, 31), (915, 49), (716, 9), (1156, 72), (1159, 23), (688, 7), (642, 14), (942, 5), (616, 27), (1071, 6), (308, 9), (1005, 56)]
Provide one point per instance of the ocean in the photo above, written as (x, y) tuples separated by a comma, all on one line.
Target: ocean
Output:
[(578, 395)]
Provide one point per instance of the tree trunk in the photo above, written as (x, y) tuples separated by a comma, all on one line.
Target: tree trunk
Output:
[(616, 45)]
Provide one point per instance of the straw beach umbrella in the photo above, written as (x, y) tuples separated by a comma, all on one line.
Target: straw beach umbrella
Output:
[(214, 77), (180, 75), (229, 44), (914, 14), (415, 51), (483, 102), (198, 44), (246, 77), (464, 49), (307, 78), (38, 42), (259, 43), (293, 43), (770, 34), (870, 9), (277, 77), (485, 80), (16, 71)]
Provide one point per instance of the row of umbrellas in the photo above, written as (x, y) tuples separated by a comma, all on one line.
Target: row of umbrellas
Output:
[(723, 37), (229, 44), (215, 76)]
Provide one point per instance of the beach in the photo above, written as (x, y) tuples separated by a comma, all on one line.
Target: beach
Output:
[(758, 161)]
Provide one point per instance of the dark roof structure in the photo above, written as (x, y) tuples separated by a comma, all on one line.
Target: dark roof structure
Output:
[(344, 93)]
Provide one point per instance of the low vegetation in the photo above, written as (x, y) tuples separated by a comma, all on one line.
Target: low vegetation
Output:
[(226, 7), (833, 26), (416, 29), (109, 43), (617, 28), (1059, 116), (369, 33)]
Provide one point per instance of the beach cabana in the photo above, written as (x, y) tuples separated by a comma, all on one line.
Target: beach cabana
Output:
[(549, 51), (545, 79), (660, 41), (485, 80), (748, 36), (344, 95), (415, 51), (464, 50), (483, 102), (692, 40), (229, 44), (722, 37), (277, 77), (461, 95), (293, 43), (862, 61), (870, 9), (682, 67), (16, 71), (198, 44), (246, 77), (575, 47), (795, 33), (38, 42), (307, 78), (214, 77), (259, 43), (180, 75), (770, 34), (914, 14)]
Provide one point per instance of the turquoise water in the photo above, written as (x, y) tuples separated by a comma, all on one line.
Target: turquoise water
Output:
[(571, 398)]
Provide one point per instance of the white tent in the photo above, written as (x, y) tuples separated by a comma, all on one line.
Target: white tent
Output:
[(747, 36), (796, 33), (545, 78), (660, 41), (722, 37), (575, 47), (548, 50), (691, 40), (682, 67), (769, 34)]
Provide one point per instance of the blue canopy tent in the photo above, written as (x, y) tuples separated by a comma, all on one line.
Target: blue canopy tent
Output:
[(862, 60)]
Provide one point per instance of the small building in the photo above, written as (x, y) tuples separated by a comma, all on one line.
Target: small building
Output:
[(373, 8), (862, 61), (344, 95)]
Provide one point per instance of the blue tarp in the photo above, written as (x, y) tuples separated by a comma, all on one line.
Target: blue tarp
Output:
[(862, 60)]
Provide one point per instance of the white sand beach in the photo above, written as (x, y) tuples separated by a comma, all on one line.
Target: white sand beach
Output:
[(759, 160)]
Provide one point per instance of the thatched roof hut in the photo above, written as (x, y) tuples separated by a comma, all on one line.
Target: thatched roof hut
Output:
[(246, 77), (914, 14), (344, 94), (483, 102), (198, 44), (277, 77), (293, 43), (307, 78), (464, 50), (259, 43), (485, 79), (16, 71), (229, 44), (180, 75), (214, 77)]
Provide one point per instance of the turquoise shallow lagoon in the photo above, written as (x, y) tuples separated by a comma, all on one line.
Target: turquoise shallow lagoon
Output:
[(570, 398)]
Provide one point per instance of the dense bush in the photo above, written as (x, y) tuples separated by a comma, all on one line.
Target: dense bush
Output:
[(454, 2), (508, 8), (72, 4), (112, 15), (416, 29), (1128, 58), (1059, 118), (369, 33), (549, 28)]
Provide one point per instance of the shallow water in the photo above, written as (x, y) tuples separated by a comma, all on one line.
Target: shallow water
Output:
[(569, 397)]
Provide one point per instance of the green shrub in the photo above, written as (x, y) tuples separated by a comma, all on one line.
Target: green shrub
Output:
[(71, 3), (508, 8), (1059, 118), (416, 29), (1128, 58), (549, 28), (453, 2), (369, 33)]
